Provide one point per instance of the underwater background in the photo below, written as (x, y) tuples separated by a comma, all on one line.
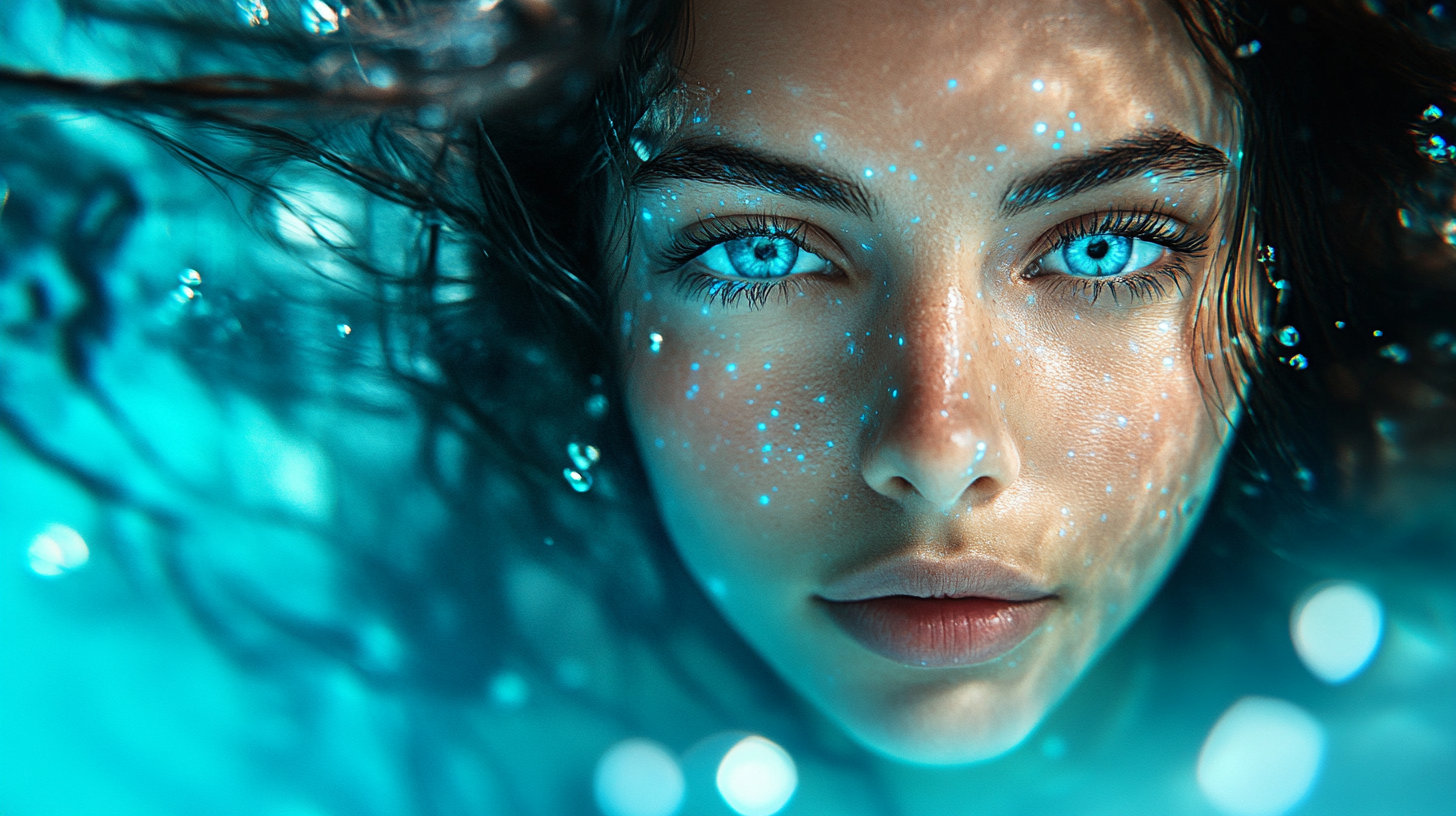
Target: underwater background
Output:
[(254, 560)]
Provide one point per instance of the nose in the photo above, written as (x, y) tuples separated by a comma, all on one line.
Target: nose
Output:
[(942, 440)]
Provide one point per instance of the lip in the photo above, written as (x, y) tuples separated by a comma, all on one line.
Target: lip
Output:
[(926, 612)]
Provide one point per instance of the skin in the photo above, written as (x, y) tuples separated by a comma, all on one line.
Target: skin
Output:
[(933, 393)]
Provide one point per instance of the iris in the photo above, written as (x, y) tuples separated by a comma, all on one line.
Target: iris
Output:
[(762, 256), (1104, 255)]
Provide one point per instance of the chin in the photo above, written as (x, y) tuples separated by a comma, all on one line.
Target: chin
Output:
[(944, 733)]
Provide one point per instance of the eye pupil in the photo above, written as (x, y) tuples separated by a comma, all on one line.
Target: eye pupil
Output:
[(1097, 250), (762, 256)]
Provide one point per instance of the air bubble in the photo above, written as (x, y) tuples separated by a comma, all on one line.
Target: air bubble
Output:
[(1299, 362), (321, 18), (580, 481), (253, 12), (1289, 336), (583, 456), (1396, 353)]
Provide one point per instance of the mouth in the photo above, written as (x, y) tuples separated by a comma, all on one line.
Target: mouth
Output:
[(929, 613)]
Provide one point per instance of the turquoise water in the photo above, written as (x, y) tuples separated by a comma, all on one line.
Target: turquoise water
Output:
[(246, 569)]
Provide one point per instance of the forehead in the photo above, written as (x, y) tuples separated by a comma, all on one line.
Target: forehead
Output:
[(948, 74)]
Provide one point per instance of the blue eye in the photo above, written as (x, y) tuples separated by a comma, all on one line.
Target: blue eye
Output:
[(761, 257), (1102, 255)]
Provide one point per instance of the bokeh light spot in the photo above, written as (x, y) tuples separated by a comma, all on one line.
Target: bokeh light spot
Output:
[(757, 777), (57, 550), (1261, 757), (1336, 630), (638, 777)]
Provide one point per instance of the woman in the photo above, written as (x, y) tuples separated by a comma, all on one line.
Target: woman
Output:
[(932, 333)]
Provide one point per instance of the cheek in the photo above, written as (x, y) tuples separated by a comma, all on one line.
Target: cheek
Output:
[(1116, 428), (737, 422)]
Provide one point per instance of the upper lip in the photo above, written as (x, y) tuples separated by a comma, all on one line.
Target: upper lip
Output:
[(922, 576)]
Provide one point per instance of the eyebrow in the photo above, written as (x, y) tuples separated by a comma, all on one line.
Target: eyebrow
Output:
[(1157, 153), (716, 163)]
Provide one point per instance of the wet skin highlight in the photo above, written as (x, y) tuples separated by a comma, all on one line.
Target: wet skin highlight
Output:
[(908, 338)]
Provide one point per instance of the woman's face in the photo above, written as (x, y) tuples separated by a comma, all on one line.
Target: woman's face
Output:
[(909, 344)]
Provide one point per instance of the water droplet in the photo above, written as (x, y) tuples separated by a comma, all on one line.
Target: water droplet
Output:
[(1261, 757), (1396, 353), (1432, 113), (57, 550), (1248, 49), (756, 777), (641, 148), (1299, 362), (638, 777), (1336, 630), (1289, 336), (580, 481), (655, 344), (344, 329), (320, 18), (189, 277), (583, 456), (253, 12)]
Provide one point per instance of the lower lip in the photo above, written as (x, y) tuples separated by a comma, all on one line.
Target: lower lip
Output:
[(939, 631)]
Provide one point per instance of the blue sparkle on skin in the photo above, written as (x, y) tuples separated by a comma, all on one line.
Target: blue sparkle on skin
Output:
[(1071, 114), (914, 177), (1039, 128), (951, 83), (731, 367), (891, 168), (1056, 145), (646, 216), (972, 158), (694, 366), (1077, 127), (990, 167), (749, 91), (869, 173), (762, 426), (915, 220), (818, 137), (919, 144), (767, 448), (829, 443), (763, 499), (821, 398), (894, 393), (1037, 85), (1061, 134), (1000, 148), (1149, 116)]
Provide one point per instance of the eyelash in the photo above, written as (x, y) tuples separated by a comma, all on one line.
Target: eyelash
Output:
[(685, 248), (1148, 225)]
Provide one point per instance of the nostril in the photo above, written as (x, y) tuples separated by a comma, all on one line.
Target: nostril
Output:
[(900, 487)]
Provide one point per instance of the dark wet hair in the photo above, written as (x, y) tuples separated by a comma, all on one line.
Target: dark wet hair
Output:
[(1346, 179)]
